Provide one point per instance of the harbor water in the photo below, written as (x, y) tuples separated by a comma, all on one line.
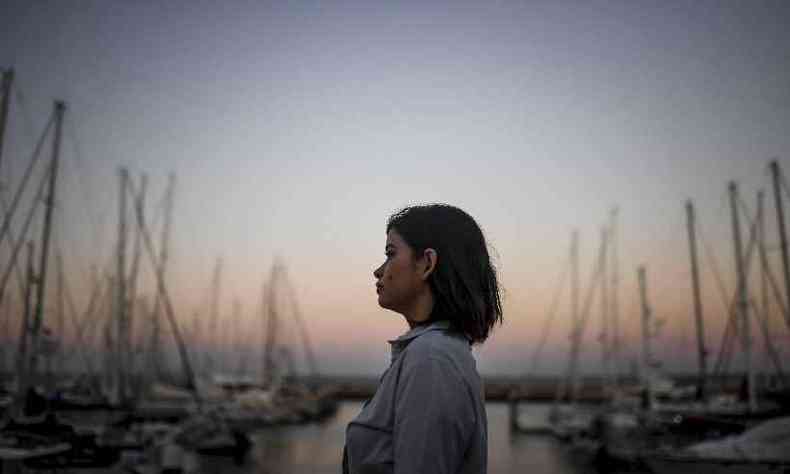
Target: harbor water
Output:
[(317, 448)]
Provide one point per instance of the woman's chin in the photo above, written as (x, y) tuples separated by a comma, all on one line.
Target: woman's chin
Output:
[(383, 302)]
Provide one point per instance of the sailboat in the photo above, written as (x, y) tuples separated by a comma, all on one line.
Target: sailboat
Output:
[(762, 449), (708, 432), (33, 434), (282, 398), (572, 421)]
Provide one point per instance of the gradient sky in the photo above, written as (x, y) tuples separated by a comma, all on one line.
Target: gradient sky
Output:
[(296, 128)]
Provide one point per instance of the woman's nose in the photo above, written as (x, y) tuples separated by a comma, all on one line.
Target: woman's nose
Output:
[(378, 272)]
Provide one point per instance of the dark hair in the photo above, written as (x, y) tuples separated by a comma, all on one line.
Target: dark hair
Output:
[(464, 282)]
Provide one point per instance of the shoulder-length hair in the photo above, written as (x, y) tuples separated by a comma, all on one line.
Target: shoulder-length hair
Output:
[(464, 282)]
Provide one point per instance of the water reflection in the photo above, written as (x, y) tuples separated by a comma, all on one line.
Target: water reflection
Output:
[(318, 449), (524, 453)]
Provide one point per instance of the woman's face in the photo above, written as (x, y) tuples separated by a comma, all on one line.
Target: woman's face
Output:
[(398, 280)]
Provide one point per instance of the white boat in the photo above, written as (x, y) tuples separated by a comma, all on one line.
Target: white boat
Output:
[(18, 447), (569, 421), (11, 450), (695, 465), (762, 449), (533, 420)]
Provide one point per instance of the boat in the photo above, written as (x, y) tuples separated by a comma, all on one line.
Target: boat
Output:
[(47, 443), (762, 449), (19, 447), (209, 434), (570, 421), (534, 421)]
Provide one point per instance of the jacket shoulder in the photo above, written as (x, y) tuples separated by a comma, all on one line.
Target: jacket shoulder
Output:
[(442, 345)]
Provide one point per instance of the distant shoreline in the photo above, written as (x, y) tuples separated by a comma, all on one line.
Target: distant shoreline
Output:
[(536, 389), (497, 388)]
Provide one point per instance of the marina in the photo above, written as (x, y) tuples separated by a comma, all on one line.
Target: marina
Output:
[(318, 447), (191, 207), (147, 420)]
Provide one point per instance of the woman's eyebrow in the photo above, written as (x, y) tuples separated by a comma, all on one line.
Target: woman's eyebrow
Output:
[(389, 246)]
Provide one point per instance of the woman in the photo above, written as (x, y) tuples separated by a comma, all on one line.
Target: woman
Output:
[(428, 413)]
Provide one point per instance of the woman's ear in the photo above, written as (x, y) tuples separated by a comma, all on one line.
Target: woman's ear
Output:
[(431, 258)]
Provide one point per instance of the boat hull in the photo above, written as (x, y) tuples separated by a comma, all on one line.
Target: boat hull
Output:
[(690, 465)]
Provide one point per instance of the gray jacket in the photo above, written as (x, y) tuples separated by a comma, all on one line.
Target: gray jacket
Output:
[(427, 415)]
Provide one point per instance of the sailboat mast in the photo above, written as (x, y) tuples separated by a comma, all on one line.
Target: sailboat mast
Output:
[(762, 316), (49, 203), (213, 336), (647, 355), (702, 353), (573, 383), (22, 362), (238, 341), (8, 80), (614, 303), (120, 312), (162, 269), (312, 362), (271, 327), (5, 95), (61, 308), (765, 304), (139, 202), (780, 218), (604, 336), (743, 301)]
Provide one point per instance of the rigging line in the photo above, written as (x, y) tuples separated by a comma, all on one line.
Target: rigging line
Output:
[(37, 198), (97, 294), (28, 173), (103, 311), (158, 214), (745, 211), (141, 346), (80, 325), (20, 276), (72, 312), (769, 343), (747, 264), (578, 329), (149, 246), (632, 309), (726, 347), (774, 286), (156, 307), (88, 314), (548, 321), (71, 135), (723, 357), (159, 211), (302, 327), (783, 180), (590, 297), (714, 267), (28, 122), (711, 258)]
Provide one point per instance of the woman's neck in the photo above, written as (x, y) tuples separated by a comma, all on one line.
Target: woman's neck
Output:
[(420, 313)]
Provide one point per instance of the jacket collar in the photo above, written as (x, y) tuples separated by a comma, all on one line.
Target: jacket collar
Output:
[(420, 330), (397, 345)]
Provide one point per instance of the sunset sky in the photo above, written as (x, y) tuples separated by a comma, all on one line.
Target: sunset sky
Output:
[(295, 128)]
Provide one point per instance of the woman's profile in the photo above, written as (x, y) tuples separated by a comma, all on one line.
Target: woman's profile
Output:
[(428, 413)]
